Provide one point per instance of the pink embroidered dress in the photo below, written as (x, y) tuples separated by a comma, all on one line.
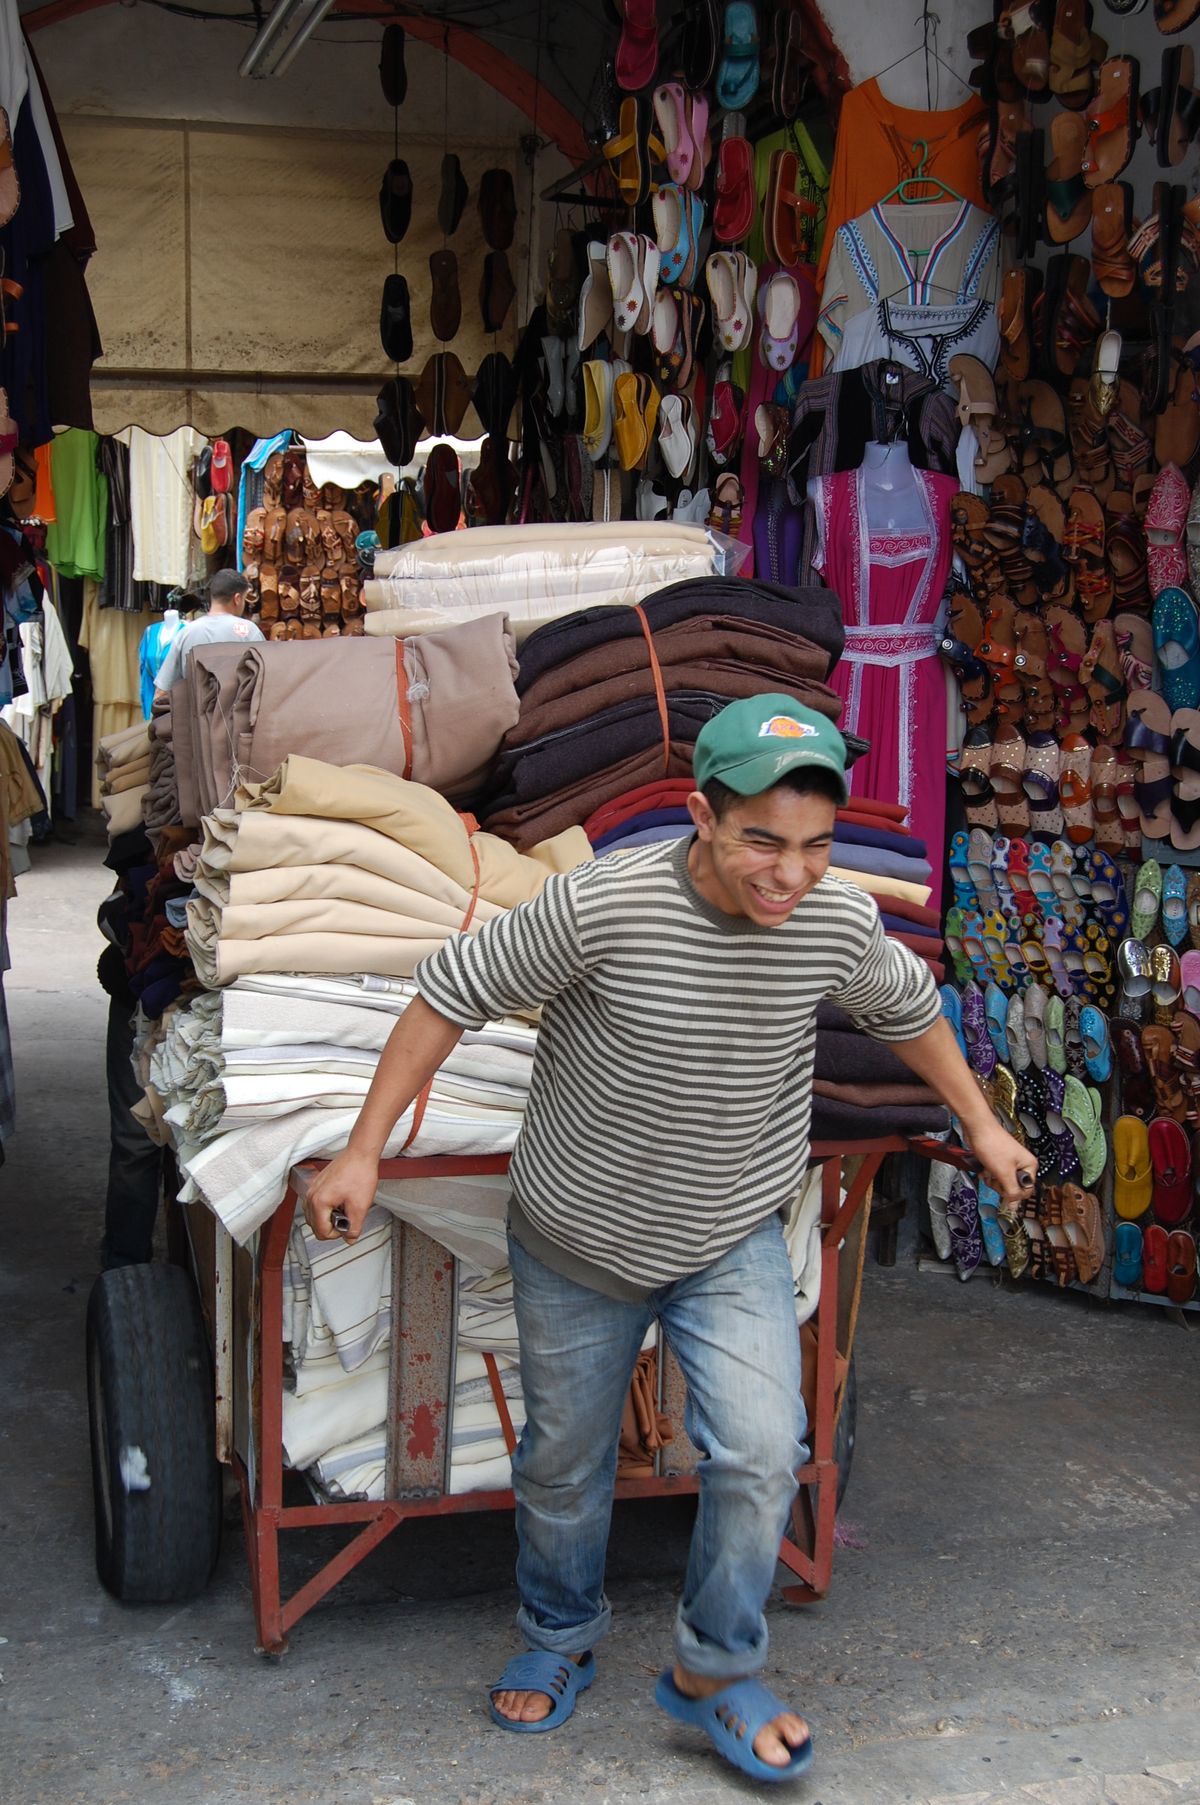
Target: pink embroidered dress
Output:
[(890, 676)]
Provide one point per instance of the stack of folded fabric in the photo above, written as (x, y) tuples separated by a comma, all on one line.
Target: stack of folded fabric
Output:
[(123, 764), (861, 1090), (147, 921), (434, 709), (535, 573), (873, 848), (160, 804), (613, 698), (350, 869)]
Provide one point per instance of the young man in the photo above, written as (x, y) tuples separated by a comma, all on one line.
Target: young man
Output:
[(667, 1128), (226, 606)]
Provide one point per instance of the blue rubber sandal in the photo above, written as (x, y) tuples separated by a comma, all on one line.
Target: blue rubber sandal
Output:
[(732, 1718), (539, 1671)]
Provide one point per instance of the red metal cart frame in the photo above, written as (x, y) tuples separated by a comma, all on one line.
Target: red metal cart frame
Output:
[(807, 1553)]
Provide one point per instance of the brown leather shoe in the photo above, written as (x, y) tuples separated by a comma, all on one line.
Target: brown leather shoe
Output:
[(445, 307), (443, 393), (497, 208), (497, 291)]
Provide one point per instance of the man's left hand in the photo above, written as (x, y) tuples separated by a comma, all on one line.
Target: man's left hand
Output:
[(1009, 1167)]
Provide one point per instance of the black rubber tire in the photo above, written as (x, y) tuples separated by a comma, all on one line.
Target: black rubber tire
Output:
[(847, 1428), (150, 1388)]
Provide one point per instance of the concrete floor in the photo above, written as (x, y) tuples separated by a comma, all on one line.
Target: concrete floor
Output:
[(1014, 1612)]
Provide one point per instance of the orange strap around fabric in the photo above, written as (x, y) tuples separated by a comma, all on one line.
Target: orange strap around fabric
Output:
[(418, 1116), (467, 919), (501, 1402), (660, 694), (402, 707)]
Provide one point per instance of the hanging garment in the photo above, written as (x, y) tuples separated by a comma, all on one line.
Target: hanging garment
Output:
[(879, 143), (75, 540), (890, 676), (929, 255), (161, 499), (923, 338), (152, 655)]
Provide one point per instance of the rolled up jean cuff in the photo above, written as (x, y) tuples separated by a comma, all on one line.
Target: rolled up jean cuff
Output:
[(579, 1639), (711, 1662)]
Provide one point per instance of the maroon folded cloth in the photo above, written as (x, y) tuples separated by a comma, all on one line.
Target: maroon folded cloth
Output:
[(908, 911), (848, 1056), (526, 823)]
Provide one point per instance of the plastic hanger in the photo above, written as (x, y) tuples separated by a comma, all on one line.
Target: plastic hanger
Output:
[(921, 177)]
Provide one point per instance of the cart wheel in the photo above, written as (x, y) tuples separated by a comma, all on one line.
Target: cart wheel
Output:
[(843, 1441), (155, 1477)]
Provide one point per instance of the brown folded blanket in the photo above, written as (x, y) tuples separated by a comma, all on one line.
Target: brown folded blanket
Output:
[(876, 1096)]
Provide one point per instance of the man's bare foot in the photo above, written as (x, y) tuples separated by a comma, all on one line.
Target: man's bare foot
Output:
[(775, 1743), (528, 1707)]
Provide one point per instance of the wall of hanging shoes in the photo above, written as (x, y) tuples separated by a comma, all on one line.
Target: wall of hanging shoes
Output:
[(694, 293), (436, 402), (1074, 634)]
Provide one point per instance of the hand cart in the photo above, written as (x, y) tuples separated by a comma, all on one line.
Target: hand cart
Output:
[(169, 1361)]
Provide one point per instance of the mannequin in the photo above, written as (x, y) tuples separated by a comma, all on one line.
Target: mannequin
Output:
[(156, 643), (891, 497)]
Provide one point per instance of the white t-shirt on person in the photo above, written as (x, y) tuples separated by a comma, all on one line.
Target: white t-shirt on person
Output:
[(210, 630)]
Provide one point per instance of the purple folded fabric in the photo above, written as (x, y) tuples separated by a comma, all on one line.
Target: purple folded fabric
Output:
[(907, 845)]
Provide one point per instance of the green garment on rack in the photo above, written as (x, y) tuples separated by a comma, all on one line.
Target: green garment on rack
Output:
[(794, 137), (75, 540)]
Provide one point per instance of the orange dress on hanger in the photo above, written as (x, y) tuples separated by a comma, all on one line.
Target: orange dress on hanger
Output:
[(874, 151)]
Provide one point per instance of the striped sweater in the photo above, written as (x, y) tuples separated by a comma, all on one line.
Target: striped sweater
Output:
[(671, 1095)]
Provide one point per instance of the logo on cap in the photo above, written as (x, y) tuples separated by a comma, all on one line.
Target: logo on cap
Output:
[(784, 727)]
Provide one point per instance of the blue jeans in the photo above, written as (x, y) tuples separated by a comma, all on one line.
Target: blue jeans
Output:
[(732, 1327)]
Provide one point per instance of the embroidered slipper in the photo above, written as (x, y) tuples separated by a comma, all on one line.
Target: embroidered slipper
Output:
[(733, 1717), (962, 1220), (996, 1007), (979, 864), (952, 934), (1036, 999), (1097, 1047), (1174, 905), (539, 1671), (988, 1203), (1177, 646)]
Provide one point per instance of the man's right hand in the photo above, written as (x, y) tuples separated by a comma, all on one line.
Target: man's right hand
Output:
[(348, 1183)]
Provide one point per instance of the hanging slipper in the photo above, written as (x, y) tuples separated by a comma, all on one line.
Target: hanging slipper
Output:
[(1177, 429), (977, 408), (738, 73), (1185, 769), (1075, 790), (1110, 835), (1112, 265), (1166, 521), (1042, 764), (637, 52), (1171, 113), (1177, 647), (1074, 51), (1068, 199), (633, 151), (733, 212), (1020, 288), (1083, 548), (1112, 121), (1025, 24), (1147, 737)]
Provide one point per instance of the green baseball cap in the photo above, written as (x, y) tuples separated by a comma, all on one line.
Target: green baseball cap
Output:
[(751, 744)]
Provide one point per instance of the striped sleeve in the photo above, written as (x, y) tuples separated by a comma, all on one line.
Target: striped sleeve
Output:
[(515, 963), (892, 995)]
